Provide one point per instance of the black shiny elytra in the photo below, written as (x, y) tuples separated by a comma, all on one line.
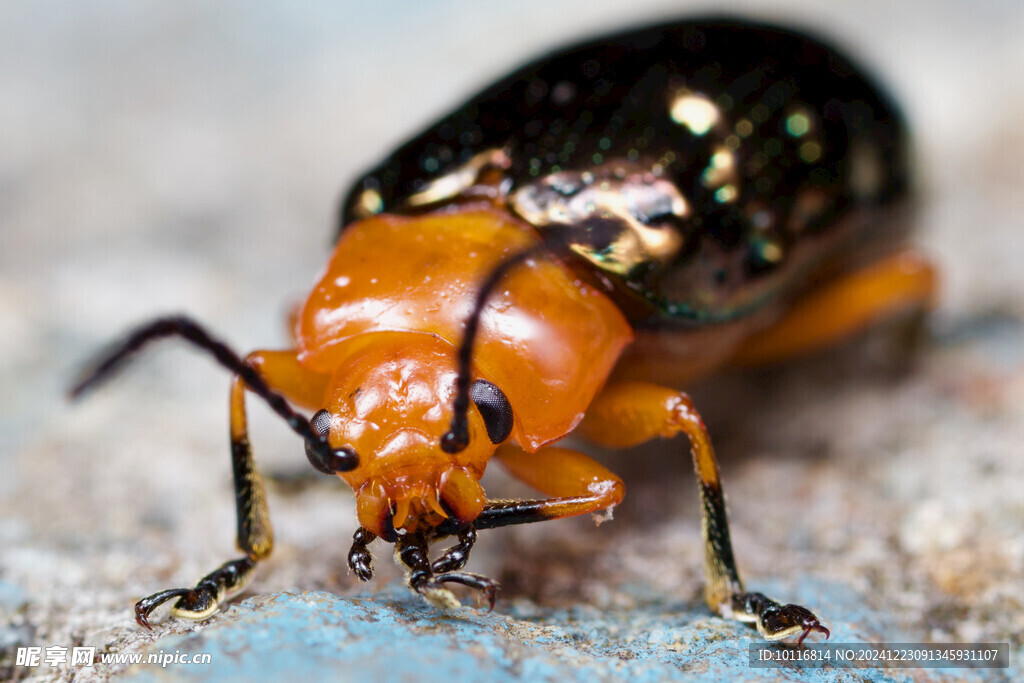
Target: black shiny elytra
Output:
[(812, 147)]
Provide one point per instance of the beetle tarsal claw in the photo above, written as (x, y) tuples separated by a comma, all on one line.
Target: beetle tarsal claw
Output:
[(431, 587), (203, 600), (775, 621), (788, 620), (436, 594)]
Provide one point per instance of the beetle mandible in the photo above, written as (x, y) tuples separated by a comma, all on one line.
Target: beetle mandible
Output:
[(633, 211)]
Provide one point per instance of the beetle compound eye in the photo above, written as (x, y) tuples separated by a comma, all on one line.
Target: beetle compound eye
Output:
[(320, 455), (316, 460), (343, 459), (321, 423), (495, 409)]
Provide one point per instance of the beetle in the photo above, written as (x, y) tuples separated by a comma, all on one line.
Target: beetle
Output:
[(560, 254)]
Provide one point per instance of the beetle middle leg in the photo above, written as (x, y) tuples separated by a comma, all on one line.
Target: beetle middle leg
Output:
[(629, 413), (578, 483)]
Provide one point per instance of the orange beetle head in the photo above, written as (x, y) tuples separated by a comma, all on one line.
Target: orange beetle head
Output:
[(390, 401)]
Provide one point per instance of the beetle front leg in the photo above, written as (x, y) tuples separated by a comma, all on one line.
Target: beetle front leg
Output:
[(456, 557), (578, 483), (412, 551), (629, 413), (255, 537), (360, 560), (271, 375)]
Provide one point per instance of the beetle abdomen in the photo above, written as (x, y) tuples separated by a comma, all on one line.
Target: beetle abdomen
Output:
[(729, 158)]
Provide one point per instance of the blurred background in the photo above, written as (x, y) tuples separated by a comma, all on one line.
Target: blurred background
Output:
[(189, 157)]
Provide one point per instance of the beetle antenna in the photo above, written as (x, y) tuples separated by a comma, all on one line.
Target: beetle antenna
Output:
[(457, 437), (555, 240), (552, 241), (194, 333)]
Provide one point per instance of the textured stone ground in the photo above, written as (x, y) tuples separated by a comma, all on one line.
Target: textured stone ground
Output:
[(187, 157)]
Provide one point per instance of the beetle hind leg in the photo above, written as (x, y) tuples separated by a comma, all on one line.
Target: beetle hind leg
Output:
[(902, 286)]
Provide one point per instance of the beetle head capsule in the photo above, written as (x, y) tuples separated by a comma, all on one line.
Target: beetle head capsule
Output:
[(389, 401)]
